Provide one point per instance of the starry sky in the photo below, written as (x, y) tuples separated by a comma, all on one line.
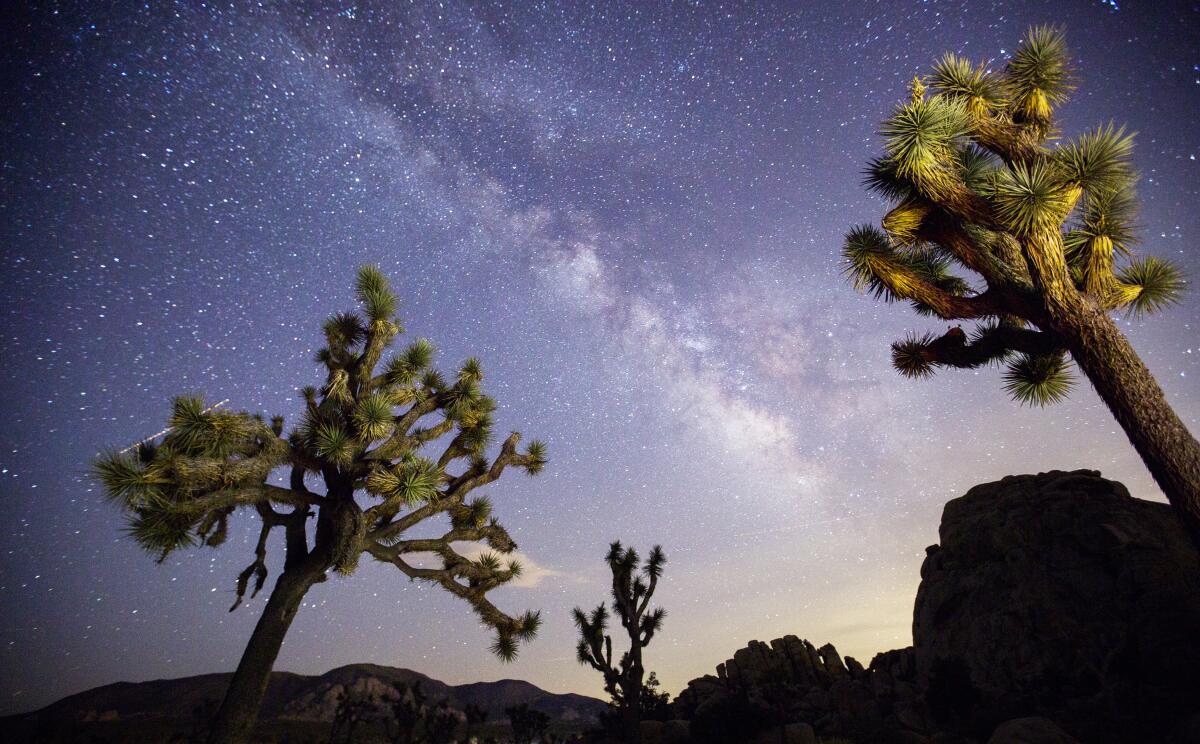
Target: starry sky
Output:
[(630, 212)]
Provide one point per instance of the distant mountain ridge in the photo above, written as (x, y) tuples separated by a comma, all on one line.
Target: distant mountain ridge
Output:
[(290, 698)]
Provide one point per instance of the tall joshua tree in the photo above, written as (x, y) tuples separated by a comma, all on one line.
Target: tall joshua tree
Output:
[(631, 593), (363, 437), (1041, 228)]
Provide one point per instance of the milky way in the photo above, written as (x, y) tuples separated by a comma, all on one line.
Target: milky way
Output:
[(631, 214)]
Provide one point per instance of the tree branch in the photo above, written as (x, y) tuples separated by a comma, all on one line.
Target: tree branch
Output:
[(916, 356)]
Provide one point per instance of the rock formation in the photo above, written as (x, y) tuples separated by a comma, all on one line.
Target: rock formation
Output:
[(1056, 599), (1061, 596)]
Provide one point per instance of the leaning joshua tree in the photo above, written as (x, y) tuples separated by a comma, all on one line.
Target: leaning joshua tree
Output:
[(362, 436), (631, 598), (981, 183)]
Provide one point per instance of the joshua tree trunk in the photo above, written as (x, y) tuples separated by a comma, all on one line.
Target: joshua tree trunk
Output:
[(632, 724), (239, 710), (1170, 452), (632, 715)]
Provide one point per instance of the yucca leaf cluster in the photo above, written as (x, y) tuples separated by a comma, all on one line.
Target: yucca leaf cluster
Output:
[(394, 443), (182, 490), (994, 215)]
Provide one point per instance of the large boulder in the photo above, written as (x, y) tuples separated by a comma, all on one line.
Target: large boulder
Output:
[(791, 681), (1059, 595)]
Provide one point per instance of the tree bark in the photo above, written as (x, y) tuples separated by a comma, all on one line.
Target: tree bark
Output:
[(632, 714), (1171, 453), (239, 710), (632, 724)]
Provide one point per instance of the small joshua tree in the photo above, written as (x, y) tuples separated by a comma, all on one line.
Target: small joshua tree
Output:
[(362, 436), (631, 594), (1041, 229)]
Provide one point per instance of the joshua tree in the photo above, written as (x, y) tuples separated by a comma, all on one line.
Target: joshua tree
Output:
[(362, 436), (976, 186), (631, 598)]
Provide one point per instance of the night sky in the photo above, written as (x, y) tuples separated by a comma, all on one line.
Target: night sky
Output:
[(631, 213)]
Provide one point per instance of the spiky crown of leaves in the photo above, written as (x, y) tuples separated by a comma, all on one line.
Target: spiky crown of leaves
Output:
[(365, 428), (975, 186)]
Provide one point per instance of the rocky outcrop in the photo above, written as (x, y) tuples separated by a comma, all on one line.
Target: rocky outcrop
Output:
[(791, 680), (1056, 608), (1059, 595)]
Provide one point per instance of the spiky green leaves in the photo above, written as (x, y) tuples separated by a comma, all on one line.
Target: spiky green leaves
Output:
[(371, 288), (471, 371), (1030, 199), (334, 443), (529, 624), (514, 568), (535, 455), (524, 628), (413, 480), (186, 485), (410, 364), (910, 356), (655, 562), (882, 177), (1098, 161), (128, 481), (1156, 284), (419, 355), (956, 77), (1039, 380), (922, 135), (1038, 76), (1108, 214), (462, 398), (373, 417), (343, 330), (197, 431), (473, 515), (504, 647), (977, 168), (488, 561), (161, 530), (652, 623), (866, 254), (874, 265)]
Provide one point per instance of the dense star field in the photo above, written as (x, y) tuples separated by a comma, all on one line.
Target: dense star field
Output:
[(631, 213)]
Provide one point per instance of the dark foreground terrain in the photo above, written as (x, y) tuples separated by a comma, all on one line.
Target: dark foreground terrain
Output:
[(297, 708), (1056, 609)]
